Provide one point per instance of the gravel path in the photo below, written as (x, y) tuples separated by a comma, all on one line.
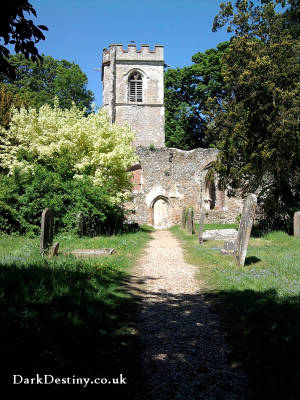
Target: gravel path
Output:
[(184, 350)]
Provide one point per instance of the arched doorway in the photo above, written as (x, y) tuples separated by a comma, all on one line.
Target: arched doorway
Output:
[(160, 213), (213, 199), (210, 194)]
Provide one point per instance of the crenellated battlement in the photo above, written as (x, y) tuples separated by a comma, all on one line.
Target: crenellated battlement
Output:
[(132, 53)]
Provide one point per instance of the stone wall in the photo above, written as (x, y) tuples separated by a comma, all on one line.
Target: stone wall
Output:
[(168, 180), (147, 120)]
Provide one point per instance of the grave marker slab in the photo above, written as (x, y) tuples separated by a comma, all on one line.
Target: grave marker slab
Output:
[(201, 226), (183, 218), (93, 252), (81, 224), (190, 221), (228, 247), (47, 222), (220, 234), (297, 224), (54, 250), (245, 227)]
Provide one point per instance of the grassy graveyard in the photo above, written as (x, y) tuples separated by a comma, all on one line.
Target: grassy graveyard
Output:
[(68, 316), (258, 305)]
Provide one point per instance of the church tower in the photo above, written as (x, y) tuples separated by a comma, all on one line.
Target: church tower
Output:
[(133, 90)]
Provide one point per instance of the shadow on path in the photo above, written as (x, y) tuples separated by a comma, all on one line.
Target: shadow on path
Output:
[(168, 346), (184, 354)]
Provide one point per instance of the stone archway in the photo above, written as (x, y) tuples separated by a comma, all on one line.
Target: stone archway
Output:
[(160, 213)]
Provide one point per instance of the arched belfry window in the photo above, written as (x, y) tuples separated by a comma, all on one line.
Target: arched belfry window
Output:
[(135, 88)]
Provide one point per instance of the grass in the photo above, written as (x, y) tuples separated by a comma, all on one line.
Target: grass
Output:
[(68, 316), (258, 305)]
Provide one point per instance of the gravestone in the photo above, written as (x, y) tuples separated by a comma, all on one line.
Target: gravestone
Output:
[(201, 226), (220, 234), (81, 224), (245, 227), (93, 252), (190, 221), (228, 247), (47, 223), (183, 220), (297, 224), (54, 250)]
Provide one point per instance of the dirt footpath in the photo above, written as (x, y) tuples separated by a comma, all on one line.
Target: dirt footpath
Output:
[(184, 350)]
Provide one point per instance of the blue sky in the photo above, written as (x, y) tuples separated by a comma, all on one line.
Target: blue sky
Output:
[(80, 29)]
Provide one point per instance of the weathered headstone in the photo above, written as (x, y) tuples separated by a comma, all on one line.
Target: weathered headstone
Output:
[(190, 221), (245, 227), (201, 226), (54, 250), (297, 224), (228, 247), (47, 222), (81, 224), (183, 218)]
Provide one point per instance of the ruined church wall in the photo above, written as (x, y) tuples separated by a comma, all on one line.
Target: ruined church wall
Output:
[(172, 174), (179, 178)]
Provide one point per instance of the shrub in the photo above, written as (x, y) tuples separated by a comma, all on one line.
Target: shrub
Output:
[(24, 195)]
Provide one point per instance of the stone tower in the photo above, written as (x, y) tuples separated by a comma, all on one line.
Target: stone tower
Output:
[(133, 90)]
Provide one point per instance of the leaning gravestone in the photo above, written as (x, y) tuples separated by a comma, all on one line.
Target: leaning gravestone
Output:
[(190, 221), (183, 218), (201, 226), (297, 224), (47, 223), (245, 227)]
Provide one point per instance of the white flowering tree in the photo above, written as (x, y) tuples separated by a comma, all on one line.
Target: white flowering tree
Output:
[(89, 145)]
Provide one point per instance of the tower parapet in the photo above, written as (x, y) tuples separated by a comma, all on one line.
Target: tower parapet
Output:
[(133, 90), (132, 53)]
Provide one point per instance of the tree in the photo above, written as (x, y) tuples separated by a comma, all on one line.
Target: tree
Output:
[(15, 29), (70, 144), (256, 126), (186, 92), (39, 84), (7, 101)]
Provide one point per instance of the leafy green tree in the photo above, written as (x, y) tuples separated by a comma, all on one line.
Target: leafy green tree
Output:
[(186, 92), (7, 101), (16, 30), (256, 127), (39, 83), (72, 145)]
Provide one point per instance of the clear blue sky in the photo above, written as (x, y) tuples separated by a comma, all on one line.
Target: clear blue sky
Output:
[(80, 29)]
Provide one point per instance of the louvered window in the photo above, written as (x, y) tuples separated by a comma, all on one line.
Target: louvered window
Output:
[(135, 88)]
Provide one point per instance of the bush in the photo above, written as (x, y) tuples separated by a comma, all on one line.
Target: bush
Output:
[(24, 195)]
